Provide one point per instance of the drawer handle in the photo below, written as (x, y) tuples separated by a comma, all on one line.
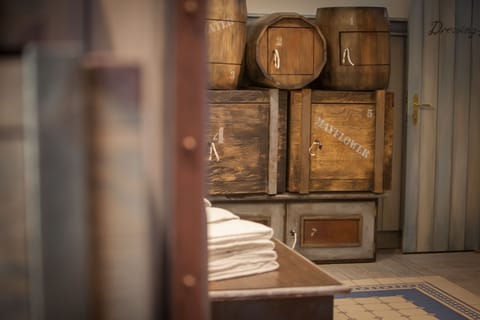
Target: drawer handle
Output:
[(346, 57), (276, 59), (293, 233), (317, 143)]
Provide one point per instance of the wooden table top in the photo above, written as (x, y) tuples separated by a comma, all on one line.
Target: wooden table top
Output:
[(296, 276)]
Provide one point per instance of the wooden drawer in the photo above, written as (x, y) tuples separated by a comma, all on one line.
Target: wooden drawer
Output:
[(339, 141), (332, 230), (247, 141), (270, 214)]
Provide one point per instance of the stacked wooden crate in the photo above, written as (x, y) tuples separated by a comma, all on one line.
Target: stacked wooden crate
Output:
[(311, 163)]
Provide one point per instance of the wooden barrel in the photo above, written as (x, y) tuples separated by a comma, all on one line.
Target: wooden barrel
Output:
[(284, 50), (358, 48), (226, 30)]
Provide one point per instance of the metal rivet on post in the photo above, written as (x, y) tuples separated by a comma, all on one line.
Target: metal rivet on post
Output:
[(190, 6), (189, 280), (189, 143)]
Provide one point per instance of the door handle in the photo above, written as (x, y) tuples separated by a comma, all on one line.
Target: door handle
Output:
[(416, 107)]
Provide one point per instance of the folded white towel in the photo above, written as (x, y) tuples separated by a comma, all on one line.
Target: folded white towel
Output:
[(237, 230), (241, 258), (227, 249), (245, 269), (237, 247), (215, 215)]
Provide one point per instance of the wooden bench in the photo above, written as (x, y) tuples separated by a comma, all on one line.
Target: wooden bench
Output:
[(297, 290)]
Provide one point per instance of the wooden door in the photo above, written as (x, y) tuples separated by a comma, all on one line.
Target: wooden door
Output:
[(442, 179)]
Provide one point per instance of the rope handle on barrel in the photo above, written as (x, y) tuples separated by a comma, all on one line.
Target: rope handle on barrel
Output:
[(276, 59), (346, 57)]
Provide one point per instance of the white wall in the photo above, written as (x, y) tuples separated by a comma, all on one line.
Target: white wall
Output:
[(397, 9)]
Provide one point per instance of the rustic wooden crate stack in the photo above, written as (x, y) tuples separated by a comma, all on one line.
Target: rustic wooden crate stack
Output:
[(308, 155)]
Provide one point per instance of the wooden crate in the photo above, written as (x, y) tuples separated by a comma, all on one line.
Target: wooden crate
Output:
[(339, 141), (332, 230), (247, 141)]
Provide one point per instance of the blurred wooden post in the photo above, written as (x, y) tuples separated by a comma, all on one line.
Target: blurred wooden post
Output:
[(188, 241)]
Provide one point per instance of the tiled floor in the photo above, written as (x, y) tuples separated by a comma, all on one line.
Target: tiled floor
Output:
[(395, 307), (457, 273), (395, 304), (460, 268)]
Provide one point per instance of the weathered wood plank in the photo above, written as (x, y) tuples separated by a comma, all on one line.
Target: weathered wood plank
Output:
[(379, 141), (472, 222), (56, 183), (428, 131), (461, 104), (246, 158), (14, 295), (305, 140), (389, 128), (325, 96), (390, 215), (273, 143), (294, 138), (445, 116), (117, 191), (415, 54)]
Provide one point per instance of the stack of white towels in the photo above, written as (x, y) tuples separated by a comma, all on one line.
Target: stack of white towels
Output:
[(237, 247)]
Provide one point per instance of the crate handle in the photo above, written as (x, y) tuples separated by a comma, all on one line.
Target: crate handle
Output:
[(346, 57), (316, 142), (213, 152), (213, 149), (276, 59)]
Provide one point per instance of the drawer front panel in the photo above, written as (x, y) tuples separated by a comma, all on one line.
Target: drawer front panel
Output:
[(332, 230)]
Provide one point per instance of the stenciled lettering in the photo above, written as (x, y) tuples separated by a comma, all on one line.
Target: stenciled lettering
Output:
[(340, 136), (216, 26)]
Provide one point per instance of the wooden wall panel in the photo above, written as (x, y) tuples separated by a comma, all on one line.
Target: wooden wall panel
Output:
[(448, 131), (117, 193), (14, 292), (409, 237), (472, 235), (428, 131), (445, 114), (461, 105), (389, 218), (41, 21), (56, 184)]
